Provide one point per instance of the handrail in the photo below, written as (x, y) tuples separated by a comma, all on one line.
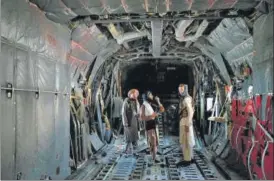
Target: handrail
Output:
[(248, 159), (263, 156), (34, 90), (266, 132)]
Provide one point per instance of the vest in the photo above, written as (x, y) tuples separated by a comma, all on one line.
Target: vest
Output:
[(148, 109), (131, 110), (183, 108), (151, 124)]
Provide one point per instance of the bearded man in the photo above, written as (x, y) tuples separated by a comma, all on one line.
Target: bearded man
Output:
[(130, 110), (149, 115), (186, 112)]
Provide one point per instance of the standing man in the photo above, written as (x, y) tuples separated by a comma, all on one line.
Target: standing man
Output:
[(186, 111), (130, 110), (148, 115)]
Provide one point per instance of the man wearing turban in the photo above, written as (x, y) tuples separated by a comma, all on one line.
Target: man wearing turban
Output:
[(148, 114), (130, 116), (186, 111)]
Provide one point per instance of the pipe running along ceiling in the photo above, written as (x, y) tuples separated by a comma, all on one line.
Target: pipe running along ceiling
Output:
[(177, 37), (77, 37)]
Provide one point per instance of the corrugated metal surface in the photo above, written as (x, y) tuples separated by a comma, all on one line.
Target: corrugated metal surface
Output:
[(229, 33), (241, 53), (263, 59), (34, 132), (7, 120), (31, 141), (40, 132), (233, 40), (63, 10), (37, 33), (263, 38), (214, 54), (86, 44), (238, 4)]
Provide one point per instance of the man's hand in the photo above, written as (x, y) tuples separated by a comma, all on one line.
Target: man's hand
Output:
[(154, 115), (162, 109)]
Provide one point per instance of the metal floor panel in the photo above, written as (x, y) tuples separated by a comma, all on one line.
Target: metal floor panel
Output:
[(116, 165), (154, 171), (190, 172), (123, 168)]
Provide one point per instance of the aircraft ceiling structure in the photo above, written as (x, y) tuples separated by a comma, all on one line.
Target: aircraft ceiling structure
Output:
[(96, 24), (43, 59)]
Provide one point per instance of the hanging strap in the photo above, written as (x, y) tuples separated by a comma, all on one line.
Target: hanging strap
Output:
[(214, 108), (77, 111)]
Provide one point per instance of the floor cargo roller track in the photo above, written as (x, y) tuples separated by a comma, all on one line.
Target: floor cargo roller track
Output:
[(118, 166)]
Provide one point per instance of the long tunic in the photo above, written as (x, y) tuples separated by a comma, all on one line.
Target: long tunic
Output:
[(130, 121), (186, 138)]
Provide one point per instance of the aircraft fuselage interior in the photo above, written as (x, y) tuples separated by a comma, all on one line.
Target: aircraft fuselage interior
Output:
[(136, 90)]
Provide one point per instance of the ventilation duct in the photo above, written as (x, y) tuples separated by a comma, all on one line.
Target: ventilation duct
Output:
[(171, 68), (157, 29), (126, 37), (182, 26), (198, 33)]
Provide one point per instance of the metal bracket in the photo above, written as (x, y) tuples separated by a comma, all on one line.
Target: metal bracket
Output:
[(37, 94), (10, 91), (19, 176), (45, 177)]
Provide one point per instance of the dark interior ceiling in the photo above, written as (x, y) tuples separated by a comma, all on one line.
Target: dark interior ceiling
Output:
[(161, 79)]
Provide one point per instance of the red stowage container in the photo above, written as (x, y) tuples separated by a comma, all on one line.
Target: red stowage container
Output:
[(253, 109), (247, 142), (258, 172), (246, 132), (268, 114), (251, 152), (240, 115), (268, 154), (254, 159), (239, 140), (256, 167), (244, 135), (234, 133), (246, 108), (262, 158), (268, 161), (249, 108), (258, 106), (265, 171), (239, 110), (234, 110), (235, 119), (265, 154)]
